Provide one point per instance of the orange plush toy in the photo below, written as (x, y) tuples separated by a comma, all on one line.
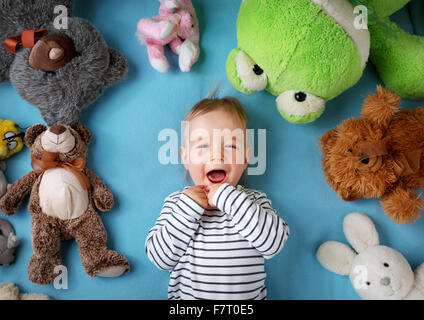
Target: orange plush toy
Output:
[(379, 155)]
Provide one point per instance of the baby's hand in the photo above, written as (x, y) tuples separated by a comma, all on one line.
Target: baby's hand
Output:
[(211, 190), (198, 194)]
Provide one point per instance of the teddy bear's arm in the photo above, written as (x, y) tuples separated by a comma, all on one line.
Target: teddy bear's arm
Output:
[(14, 196), (402, 205), (102, 196)]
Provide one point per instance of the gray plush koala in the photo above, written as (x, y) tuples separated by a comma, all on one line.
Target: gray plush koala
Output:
[(65, 70), (8, 243)]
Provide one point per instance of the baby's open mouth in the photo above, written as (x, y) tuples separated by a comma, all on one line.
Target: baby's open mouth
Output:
[(216, 176)]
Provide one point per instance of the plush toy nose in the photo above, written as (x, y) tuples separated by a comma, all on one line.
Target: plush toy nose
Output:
[(52, 52), (385, 281), (57, 129)]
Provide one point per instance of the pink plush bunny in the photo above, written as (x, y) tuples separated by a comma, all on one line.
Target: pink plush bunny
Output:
[(176, 26)]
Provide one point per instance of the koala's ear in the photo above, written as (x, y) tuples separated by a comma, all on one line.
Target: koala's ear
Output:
[(82, 132), (118, 67), (380, 107), (33, 132), (336, 257), (360, 231)]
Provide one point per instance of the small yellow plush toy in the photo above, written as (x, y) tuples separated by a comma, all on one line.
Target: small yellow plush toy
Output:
[(10, 143), (10, 139)]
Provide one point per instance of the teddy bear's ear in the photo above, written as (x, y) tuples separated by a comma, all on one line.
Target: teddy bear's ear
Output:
[(380, 107), (336, 257), (82, 132), (360, 231), (118, 67), (328, 140), (33, 132)]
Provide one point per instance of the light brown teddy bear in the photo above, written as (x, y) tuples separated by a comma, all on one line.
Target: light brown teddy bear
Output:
[(8, 291), (64, 195), (379, 155)]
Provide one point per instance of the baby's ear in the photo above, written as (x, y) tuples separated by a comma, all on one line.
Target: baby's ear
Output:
[(360, 231), (336, 257), (118, 67), (82, 132), (380, 107), (32, 133)]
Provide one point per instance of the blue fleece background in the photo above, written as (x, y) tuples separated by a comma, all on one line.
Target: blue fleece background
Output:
[(125, 123)]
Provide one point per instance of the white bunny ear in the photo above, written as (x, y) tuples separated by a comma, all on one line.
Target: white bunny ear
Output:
[(360, 231), (336, 257)]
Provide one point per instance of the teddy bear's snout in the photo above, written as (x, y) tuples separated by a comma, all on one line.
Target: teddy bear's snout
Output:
[(58, 139)]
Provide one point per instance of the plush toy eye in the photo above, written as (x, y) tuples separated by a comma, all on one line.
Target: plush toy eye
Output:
[(299, 104), (12, 145), (368, 283), (192, 25), (251, 74), (386, 264), (300, 96), (365, 160)]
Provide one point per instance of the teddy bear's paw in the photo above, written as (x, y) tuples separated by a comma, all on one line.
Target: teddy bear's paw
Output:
[(9, 204), (41, 270), (402, 206), (104, 200), (112, 264)]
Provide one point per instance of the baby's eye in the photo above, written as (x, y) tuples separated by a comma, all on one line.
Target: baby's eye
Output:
[(203, 146), (232, 146)]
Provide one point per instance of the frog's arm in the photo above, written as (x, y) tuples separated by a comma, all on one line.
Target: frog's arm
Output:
[(397, 55)]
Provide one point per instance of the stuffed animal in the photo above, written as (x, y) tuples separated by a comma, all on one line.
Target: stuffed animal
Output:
[(58, 71), (379, 155), (307, 52), (8, 291), (376, 272), (10, 143), (8, 242), (176, 26), (64, 194)]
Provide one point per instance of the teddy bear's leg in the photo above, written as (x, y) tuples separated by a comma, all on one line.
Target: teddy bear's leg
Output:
[(397, 56), (45, 236), (155, 28), (96, 258), (157, 57), (402, 205)]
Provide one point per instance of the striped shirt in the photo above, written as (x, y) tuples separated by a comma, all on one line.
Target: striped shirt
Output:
[(217, 254)]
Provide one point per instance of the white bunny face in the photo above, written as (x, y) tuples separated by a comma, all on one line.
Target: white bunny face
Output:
[(376, 272), (381, 273)]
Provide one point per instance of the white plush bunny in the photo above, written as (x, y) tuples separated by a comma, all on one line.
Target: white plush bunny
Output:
[(376, 272)]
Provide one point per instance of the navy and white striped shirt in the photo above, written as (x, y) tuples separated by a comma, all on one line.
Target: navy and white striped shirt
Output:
[(217, 254)]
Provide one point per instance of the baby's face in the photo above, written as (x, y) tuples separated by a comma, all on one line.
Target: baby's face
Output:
[(215, 148)]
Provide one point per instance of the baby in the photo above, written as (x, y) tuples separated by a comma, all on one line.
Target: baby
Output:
[(215, 235)]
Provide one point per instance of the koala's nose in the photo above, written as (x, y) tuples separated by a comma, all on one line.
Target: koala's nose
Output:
[(57, 129), (385, 281)]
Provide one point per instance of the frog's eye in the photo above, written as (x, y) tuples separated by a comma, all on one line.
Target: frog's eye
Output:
[(251, 74), (299, 106)]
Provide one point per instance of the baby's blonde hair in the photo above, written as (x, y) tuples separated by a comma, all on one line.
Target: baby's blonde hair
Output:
[(230, 105)]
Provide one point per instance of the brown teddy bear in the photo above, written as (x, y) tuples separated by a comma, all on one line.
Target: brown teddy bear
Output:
[(63, 196), (379, 155)]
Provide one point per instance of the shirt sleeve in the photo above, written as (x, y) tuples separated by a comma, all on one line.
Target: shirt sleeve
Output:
[(169, 238), (254, 218)]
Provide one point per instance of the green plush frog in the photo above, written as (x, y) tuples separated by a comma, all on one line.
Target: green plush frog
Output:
[(306, 52)]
